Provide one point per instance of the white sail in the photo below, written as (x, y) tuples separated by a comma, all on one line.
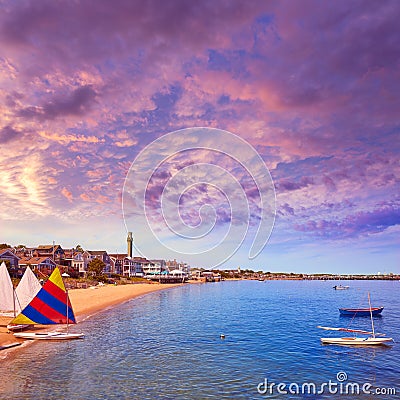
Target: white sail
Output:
[(328, 328), (27, 289), (6, 291)]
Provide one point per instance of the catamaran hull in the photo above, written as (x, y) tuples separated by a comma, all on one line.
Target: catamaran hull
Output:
[(49, 336), (370, 341), (18, 327)]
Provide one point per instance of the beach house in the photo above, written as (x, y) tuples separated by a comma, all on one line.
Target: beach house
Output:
[(73, 259), (8, 255), (54, 251), (126, 266), (44, 265), (174, 265), (89, 255)]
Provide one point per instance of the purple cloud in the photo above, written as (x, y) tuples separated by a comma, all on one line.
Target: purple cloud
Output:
[(76, 103), (286, 185), (8, 134), (360, 223)]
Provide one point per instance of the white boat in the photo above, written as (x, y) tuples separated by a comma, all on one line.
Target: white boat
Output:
[(17, 327), (51, 305), (355, 341), (49, 335), (371, 340), (340, 287)]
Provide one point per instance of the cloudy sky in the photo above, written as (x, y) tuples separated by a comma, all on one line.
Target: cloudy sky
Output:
[(313, 86)]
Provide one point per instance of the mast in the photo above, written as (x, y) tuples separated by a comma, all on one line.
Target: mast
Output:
[(15, 311), (370, 312), (66, 290)]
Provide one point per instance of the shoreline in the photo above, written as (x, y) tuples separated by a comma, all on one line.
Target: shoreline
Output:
[(86, 303)]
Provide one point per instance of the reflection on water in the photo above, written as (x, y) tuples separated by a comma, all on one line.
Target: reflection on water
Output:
[(167, 345)]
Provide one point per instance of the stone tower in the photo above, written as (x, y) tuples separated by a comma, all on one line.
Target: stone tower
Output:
[(129, 240)]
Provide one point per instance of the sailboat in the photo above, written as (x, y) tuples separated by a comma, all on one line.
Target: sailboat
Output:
[(26, 290), (50, 306), (371, 339)]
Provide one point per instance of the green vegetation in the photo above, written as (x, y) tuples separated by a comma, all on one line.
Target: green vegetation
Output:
[(95, 269)]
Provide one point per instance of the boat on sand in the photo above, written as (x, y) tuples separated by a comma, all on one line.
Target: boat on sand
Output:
[(51, 306)]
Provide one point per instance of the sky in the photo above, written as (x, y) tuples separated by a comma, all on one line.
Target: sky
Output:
[(90, 88)]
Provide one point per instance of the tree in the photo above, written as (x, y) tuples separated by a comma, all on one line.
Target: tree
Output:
[(4, 246), (95, 267), (78, 248)]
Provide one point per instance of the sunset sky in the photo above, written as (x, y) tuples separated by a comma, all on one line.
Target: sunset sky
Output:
[(313, 86)]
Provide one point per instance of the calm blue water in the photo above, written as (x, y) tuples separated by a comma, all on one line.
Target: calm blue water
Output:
[(167, 345)]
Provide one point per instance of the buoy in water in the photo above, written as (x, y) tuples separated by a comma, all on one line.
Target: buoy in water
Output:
[(222, 336)]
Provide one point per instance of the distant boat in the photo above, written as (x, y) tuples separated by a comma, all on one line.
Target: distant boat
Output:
[(360, 312), (340, 287), (371, 340), (51, 305)]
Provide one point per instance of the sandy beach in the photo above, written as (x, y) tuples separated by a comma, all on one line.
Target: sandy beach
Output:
[(89, 301)]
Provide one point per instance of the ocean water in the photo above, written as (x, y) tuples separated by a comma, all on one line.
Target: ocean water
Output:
[(167, 345)]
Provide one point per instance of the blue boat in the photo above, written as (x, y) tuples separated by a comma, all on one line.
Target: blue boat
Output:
[(360, 312)]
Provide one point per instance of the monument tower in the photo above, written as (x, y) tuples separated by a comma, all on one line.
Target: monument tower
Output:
[(129, 240)]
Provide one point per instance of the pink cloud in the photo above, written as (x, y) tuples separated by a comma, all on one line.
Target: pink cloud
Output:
[(67, 194)]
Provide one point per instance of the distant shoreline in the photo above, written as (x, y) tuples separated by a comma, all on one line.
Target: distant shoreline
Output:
[(298, 277)]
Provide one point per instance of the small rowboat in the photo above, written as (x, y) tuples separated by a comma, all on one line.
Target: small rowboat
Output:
[(360, 312)]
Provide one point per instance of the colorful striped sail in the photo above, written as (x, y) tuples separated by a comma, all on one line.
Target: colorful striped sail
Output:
[(50, 306)]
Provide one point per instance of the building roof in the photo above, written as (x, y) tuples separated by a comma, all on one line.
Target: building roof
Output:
[(96, 252), (48, 247), (119, 256), (34, 260), (141, 260), (2, 251)]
